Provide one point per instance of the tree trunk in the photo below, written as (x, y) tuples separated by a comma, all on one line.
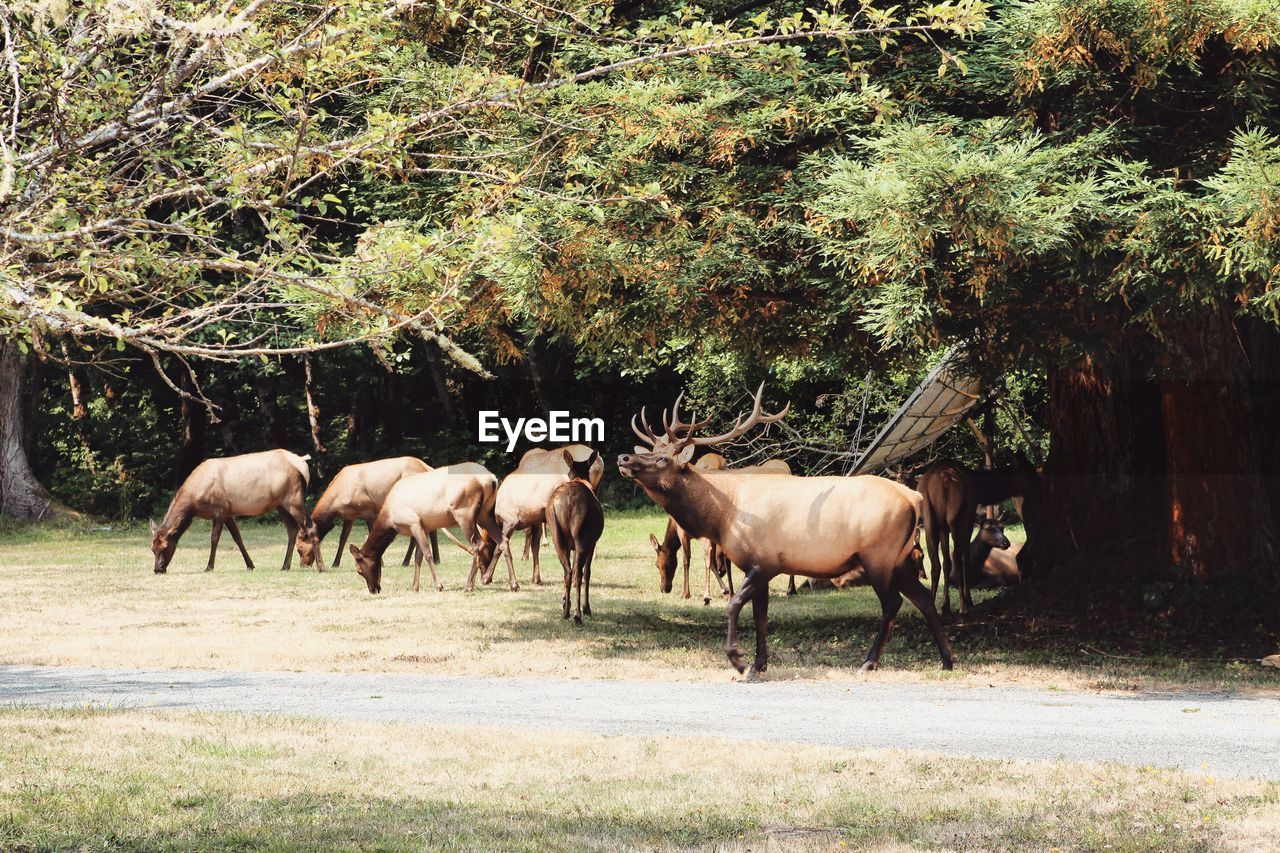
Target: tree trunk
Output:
[(1218, 514), (269, 409), (228, 410), (21, 495), (1103, 482), (436, 365), (313, 412), (195, 419)]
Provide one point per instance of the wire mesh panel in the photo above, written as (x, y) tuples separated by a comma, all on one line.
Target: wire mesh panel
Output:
[(941, 400)]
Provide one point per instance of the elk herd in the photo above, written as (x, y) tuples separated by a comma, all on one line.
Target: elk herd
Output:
[(761, 518)]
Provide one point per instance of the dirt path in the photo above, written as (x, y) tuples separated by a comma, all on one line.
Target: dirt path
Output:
[(1228, 736)]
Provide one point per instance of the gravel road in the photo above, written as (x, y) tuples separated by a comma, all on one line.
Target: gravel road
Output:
[(1225, 736)]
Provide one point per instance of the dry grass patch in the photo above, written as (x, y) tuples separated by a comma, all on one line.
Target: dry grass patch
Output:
[(96, 779), (84, 596)]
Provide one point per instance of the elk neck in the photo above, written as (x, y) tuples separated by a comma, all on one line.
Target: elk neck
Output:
[(696, 505), (180, 513), (380, 536)]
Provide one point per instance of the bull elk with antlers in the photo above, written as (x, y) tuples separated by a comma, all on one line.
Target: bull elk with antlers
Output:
[(771, 524)]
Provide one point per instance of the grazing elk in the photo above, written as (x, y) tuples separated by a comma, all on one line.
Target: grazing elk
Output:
[(522, 497), (575, 521), (714, 561), (818, 527), (461, 495), (949, 508), (356, 493), (248, 485)]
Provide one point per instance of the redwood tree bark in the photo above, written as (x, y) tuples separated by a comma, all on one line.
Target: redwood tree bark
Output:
[(21, 495), (1218, 514)]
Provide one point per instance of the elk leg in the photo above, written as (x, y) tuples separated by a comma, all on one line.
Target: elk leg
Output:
[(728, 569), (532, 538), (791, 584), (467, 524), (746, 591), (890, 604), (435, 546), (685, 552), (910, 586), (586, 575), (760, 612), (235, 534), (408, 554), (708, 557), (292, 527), (963, 534), (931, 542), (347, 524), (947, 553), (424, 550), (213, 542), (505, 546), (577, 581)]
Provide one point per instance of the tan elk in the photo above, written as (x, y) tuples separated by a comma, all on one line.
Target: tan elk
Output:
[(522, 497), (952, 493), (356, 493), (575, 521), (460, 495), (949, 508), (771, 524), (249, 485)]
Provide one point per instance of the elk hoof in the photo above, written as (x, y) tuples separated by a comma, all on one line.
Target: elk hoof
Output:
[(752, 676), (706, 602), (515, 587), (161, 571), (577, 620), (586, 611), (870, 666), (735, 658), (946, 664), (208, 568), (439, 587)]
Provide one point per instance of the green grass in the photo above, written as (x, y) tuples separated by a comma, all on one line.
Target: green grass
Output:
[(180, 781), (87, 596)]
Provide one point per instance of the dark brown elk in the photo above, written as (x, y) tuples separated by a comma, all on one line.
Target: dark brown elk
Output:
[(675, 542), (1023, 484), (522, 497), (460, 495), (771, 524), (550, 457), (575, 521), (249, 485), (356, 493), (949, 507)]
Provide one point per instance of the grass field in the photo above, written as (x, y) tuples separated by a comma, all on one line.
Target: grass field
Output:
[(128, 780), (87, 596)]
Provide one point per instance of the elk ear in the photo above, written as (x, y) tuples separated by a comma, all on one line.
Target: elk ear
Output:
[(568, 458), (355, 552), (154, 528), (653, 540), (641, 450), (685, 455), (591, 460)]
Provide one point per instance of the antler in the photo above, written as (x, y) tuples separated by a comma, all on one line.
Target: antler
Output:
[(676, 425), (741, 425), (647, 436)]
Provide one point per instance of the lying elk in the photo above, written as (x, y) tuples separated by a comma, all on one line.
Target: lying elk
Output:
[(356, 493), (992, 559), (248, 485), (461, 495), (817, 527), (522, 497), (1023, 484), (575, 521)]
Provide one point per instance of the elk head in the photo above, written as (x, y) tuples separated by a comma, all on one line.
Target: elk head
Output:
[(369, 567), (163, 544), (581, 470), (991, 531), (667, 559), (658, 467)]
